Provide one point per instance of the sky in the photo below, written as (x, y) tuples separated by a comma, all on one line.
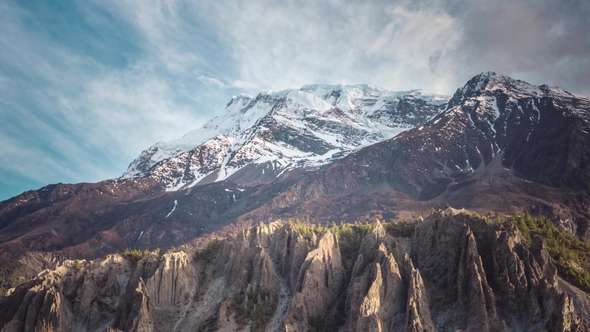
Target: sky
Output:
[(86, 85)]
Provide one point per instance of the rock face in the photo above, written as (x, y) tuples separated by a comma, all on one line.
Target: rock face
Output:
[(456, 273), (386, 293)]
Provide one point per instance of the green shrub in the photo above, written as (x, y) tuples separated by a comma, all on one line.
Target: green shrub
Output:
[(565, 249), (261, 306), (350, 237), (134, 255), (307, 230)]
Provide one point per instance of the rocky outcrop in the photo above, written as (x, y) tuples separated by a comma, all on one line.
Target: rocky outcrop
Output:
[(484, 277), (457, 272), (386, 293), (319, 284)]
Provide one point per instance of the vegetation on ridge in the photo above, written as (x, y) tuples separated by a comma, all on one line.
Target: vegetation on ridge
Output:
[(568, 253), (350, 235), (135, 255)]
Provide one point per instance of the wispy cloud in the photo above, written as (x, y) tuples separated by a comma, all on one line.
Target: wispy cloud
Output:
[(84, 88), (69, 117), (539, 41), (211, 81), (434, 45), (227, 83), (278, 45)]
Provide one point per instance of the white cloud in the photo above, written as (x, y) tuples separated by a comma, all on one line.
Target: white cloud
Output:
[(537, 41), (279, 45), (129, 107), (244, 85), (78, 119), (211, 81), (228, 83)]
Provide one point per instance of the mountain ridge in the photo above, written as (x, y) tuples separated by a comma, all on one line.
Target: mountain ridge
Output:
[(308, 127)]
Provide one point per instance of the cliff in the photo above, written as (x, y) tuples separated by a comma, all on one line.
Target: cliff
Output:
[(456, 272)]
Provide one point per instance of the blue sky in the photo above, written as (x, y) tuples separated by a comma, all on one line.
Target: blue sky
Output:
[(85, 86)]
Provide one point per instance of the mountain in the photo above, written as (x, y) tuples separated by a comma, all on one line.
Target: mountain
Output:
[(453, 272), (498, 144), (256, 139)]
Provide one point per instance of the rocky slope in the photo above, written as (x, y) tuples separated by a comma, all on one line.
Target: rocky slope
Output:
[(255, 139), (456, 272)]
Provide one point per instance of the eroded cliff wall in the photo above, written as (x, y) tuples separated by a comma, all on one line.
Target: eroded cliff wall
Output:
[(456, 272)]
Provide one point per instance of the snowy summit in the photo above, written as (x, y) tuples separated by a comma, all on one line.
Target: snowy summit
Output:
[(258, 138)]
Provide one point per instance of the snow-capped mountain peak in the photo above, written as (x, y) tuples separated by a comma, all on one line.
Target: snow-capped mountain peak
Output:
[(490, 84), (277, 131)]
